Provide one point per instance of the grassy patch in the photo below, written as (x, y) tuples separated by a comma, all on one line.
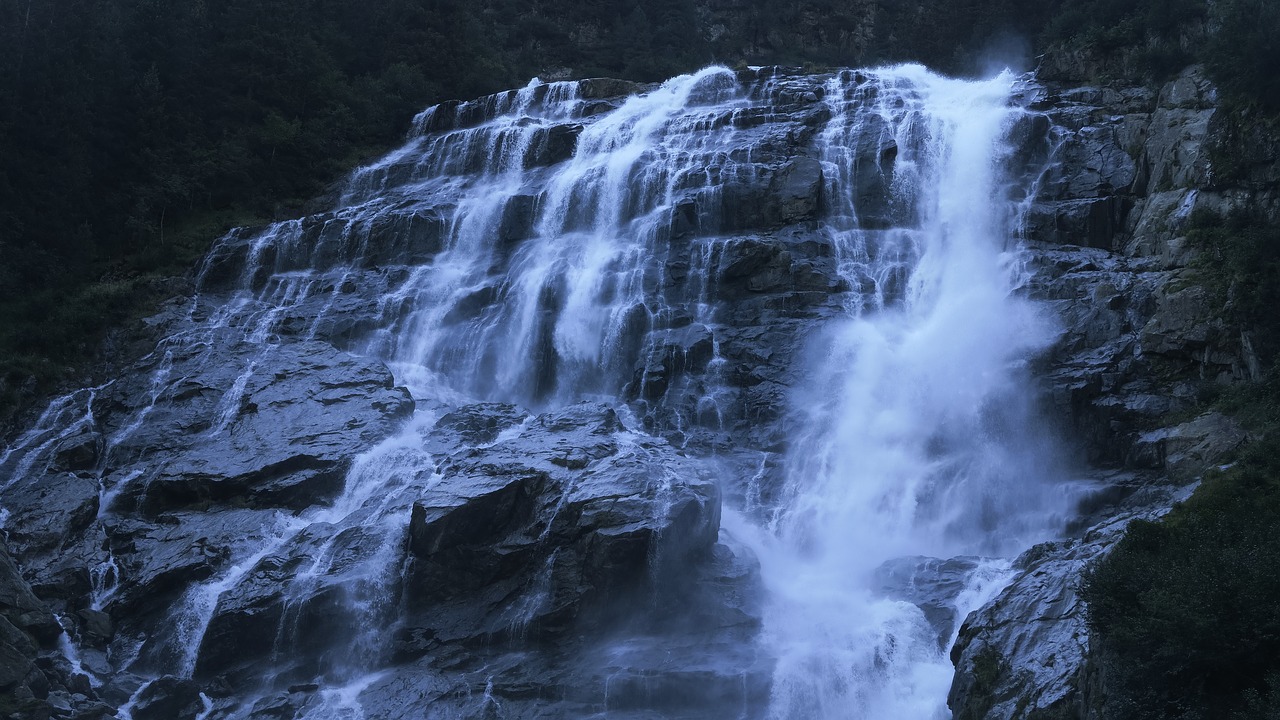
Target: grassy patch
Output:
[(52, 335), (1239, 264), (1185, 612)]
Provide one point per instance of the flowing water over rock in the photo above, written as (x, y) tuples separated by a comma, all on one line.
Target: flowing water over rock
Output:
[(918, 436), (462, 446)]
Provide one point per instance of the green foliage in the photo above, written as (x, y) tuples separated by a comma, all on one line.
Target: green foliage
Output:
[(1128, 39), (1186, 611), (1239, 263), (54, 332), (1243, 52), (1262, 705)]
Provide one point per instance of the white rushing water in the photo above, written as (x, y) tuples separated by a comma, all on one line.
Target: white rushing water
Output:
[(917, 437), (543, 282)]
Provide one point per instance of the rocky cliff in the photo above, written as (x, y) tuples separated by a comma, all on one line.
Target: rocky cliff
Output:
[(1143, 340), (390, 457)]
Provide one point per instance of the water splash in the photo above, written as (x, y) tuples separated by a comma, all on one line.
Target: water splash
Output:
[(917, 434)]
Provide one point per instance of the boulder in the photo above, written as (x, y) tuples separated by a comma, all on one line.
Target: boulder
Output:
[(271, 427), (552, 145), (49, 511), (168, 698), (930, 584), (78, 452), (158, 560), (1187, 449), (557, 527)]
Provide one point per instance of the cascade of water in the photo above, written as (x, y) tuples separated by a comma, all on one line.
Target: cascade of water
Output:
[(563, 319), (915, 436), (380, 487), (65, 417), (538, 247)]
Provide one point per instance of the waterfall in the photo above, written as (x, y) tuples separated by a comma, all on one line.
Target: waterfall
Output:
[(809, 284), (916, 434)]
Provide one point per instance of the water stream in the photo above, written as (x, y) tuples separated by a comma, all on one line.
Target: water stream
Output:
[(918, 436), (542, 247)]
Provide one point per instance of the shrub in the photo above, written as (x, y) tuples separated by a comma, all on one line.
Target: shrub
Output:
[(1185, 612)]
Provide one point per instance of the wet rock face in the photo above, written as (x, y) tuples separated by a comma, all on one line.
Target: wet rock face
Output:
[(1186, 449), (283, 440), (1111, 258), (707, 621), (170, 472), (1127, 167), (26, 629), (1026, 654), (168, 698), (931, 585), (1140, 341), (529, 541), (1023, 655), (552, 530)]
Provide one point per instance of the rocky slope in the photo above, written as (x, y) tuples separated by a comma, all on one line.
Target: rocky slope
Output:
[(271, 469), (1141, 341)]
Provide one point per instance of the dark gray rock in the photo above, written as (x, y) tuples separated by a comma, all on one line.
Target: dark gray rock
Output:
[(555, 528), (27, 629), (16, 655), (517, 219), (930, 584), (690, 658), (606, 88), (95, 627), (20, 606), (93, 710), (552, 145), (168, 698), (1182, 324), (1088, 223), (289, 607), (399, 236), (1187, 449), (51, 510), (158, 560), (1025, 655), (231, 448), (79, 452), (799, 190), (478, 424)]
